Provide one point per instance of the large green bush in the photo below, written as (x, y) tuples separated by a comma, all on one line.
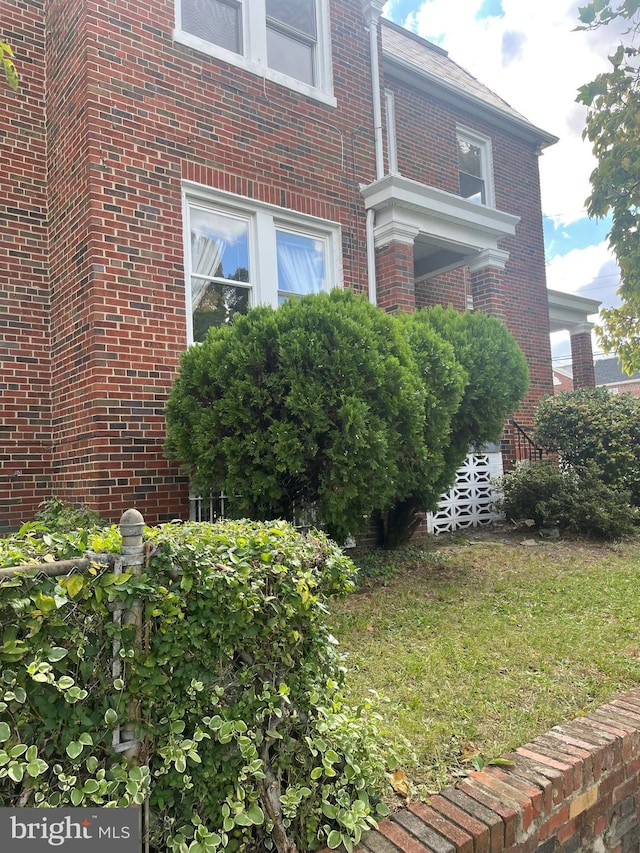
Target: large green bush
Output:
[(591, 427), (330, 403), (247, 742), (316, 403)]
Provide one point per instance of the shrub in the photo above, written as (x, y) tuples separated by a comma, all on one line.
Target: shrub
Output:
[(588, 506), (526, 488), (247, 742), (59, 515), (590, 426), (468, 398), (575, 501), (318, 403)]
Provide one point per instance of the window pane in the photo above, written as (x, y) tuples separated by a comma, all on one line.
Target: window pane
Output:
[(217, 21), (219, 245), (299, 15), (216, 306), (290, 56), (469, 158), (301, 264), (472, 188)]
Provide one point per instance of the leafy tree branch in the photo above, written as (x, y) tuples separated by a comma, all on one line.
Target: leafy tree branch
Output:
[(613, 128)]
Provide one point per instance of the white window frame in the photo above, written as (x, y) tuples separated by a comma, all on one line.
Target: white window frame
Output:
[(486, 159), (263, 220), (254, 56)]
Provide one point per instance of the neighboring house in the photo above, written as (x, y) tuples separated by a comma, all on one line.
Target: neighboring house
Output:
[(168, 163), (610, 375), (562, 379)]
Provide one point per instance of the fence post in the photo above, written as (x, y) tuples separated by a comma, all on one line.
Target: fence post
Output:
[(131, 527)]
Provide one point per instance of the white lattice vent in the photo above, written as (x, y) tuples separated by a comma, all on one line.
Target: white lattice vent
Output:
[(469, 502)]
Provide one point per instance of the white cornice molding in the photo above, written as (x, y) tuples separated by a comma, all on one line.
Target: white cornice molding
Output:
[(395, 231), (494, 259), (581, 329)]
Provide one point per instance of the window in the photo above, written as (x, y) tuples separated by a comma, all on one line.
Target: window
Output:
[(285, 41), (474, 167), (241, 253)]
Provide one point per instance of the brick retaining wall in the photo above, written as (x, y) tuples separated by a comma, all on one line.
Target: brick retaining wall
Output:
[(575, 789)]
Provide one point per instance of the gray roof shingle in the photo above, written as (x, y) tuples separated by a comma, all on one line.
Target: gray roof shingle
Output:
[(433, 63), (608, 372)]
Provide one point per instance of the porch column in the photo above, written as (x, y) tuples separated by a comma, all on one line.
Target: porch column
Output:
[(487, 282), (394, 270), (582, 356)]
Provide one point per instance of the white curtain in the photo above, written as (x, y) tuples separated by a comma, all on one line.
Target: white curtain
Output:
[(300, 264), (206, 257)]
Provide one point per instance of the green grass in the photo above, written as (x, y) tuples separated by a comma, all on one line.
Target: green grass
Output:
[(479, 647)]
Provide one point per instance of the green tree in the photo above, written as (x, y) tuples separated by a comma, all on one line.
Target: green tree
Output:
[(10, 72), (318, 403), (613, 127), (497, 378)]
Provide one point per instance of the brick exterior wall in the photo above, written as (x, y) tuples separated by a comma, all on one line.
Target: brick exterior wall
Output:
[(630, 387), (92, 270), (575, 789), (450, 289), (25, 382)]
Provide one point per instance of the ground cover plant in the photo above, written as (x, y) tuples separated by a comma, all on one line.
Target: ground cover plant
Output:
[(477, 645)]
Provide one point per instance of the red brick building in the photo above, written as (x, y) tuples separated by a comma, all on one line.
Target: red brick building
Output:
[(168, 162)]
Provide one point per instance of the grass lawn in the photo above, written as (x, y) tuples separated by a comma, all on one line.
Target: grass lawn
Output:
[(478, 645)]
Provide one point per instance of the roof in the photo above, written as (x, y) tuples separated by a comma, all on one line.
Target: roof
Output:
[(426, 65), (609, 372)]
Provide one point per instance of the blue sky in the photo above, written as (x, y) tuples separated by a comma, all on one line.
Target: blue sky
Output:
[(530, 54)]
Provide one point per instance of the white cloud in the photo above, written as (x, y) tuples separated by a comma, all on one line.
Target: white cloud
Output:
[(531, 57), (583, 271)]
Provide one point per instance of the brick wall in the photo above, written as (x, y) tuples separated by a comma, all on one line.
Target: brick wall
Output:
[(630, 387), (575, 789), (131, 114), (25, 421)]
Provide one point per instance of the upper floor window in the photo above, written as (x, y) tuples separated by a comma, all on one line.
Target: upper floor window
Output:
[(287, 42), (241, 253), (474, 167)]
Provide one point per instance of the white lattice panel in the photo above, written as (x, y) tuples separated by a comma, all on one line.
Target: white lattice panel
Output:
[(468, 504)]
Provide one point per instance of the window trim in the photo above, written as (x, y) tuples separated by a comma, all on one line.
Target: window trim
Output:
[(486, 159), (254, 56), (263, 221)]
